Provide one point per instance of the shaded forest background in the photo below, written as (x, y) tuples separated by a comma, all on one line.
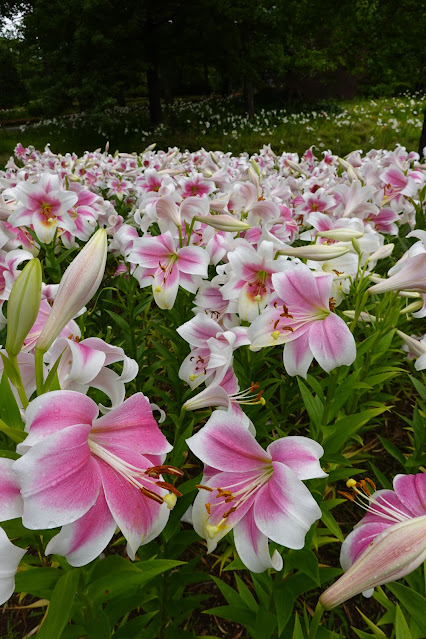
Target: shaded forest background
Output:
[(87, 55)]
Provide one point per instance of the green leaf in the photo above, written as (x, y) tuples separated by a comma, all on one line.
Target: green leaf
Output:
[(38, 582), (60, 606), (420, 388), (393, 450), (338, 434), (377, 632), (332, 525), (245, 594), (284, 599), (297, 632), (232, 597), (237, 614), (401, 627), (9, 409), (126, 579), (413, 602), (313, 405)]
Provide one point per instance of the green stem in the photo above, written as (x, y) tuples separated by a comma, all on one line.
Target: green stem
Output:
[(39, 370), (315, 621), (19, 385)]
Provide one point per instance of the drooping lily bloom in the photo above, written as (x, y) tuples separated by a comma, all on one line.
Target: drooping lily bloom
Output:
[(250, 274), (10, 508), (91, 475), (44, 205), (212, 349), (387, 544), (257, 493), (84, 365), (166, 267), (410, 277), (301, 317), (10, 556)]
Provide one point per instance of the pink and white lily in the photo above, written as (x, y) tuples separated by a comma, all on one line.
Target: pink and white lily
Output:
[(44, 205), (167, 267), (84, 365), (387, 544), (90, 475), (212, 349), (301, 317), (257, 493)]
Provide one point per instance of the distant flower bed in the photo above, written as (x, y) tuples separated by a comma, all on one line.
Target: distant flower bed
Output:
[(201, 351)]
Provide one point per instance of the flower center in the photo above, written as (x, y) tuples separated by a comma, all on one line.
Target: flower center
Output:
[(142, 480), (235, 495), (46, 211), (380, 506)]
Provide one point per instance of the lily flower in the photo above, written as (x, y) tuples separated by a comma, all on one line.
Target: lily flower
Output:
[(91, 475), (301, 317), (44, 205), (387, 544), (257, 493), (166, 267), (410, 277)]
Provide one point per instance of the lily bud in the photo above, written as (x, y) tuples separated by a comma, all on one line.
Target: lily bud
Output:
[(394, 553), (223, 223), (341, 234), (411, 277), (23, 306), (381, 253), (317, 252), (295, 167), (352, 174), (79, 283)]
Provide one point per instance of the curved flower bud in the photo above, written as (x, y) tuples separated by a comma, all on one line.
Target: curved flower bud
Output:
[(223, 222), (341, 234), (78, 285), (394, 553), (411, 277), (23, 306), (317, 252)]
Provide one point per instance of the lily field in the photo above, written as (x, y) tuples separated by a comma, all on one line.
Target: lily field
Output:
[(212, 374)]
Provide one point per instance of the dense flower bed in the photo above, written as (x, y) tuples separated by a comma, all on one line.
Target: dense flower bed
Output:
[(285, 287)]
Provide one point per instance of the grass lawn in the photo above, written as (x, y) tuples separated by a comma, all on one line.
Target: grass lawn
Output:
[(215, 123)]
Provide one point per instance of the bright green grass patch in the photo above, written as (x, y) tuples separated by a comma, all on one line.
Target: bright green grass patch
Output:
[(217, 124)]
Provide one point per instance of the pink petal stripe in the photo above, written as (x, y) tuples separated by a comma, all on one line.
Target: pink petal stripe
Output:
[(411, 490), (59, 479), (252, 545), (285, 509), (224, 443), (10, 495), (132, 426), (85, 539), (55, 411), (359, 540), (301, 454), (331, 342), (134, 513)]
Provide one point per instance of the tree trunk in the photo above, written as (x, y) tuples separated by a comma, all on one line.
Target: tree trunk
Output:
[(154, 95), (249, 96), (422, 142), (206, 79)]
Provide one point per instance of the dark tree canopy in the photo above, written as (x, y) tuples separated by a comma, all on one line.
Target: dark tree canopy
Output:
[(98, 52)]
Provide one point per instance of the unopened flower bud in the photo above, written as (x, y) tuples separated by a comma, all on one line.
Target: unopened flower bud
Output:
[(411, 277), (341, 234), (79, 283), (223, 223), (394, 553), (23, 306), (352, 173), (381, 253), (316, 252)]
